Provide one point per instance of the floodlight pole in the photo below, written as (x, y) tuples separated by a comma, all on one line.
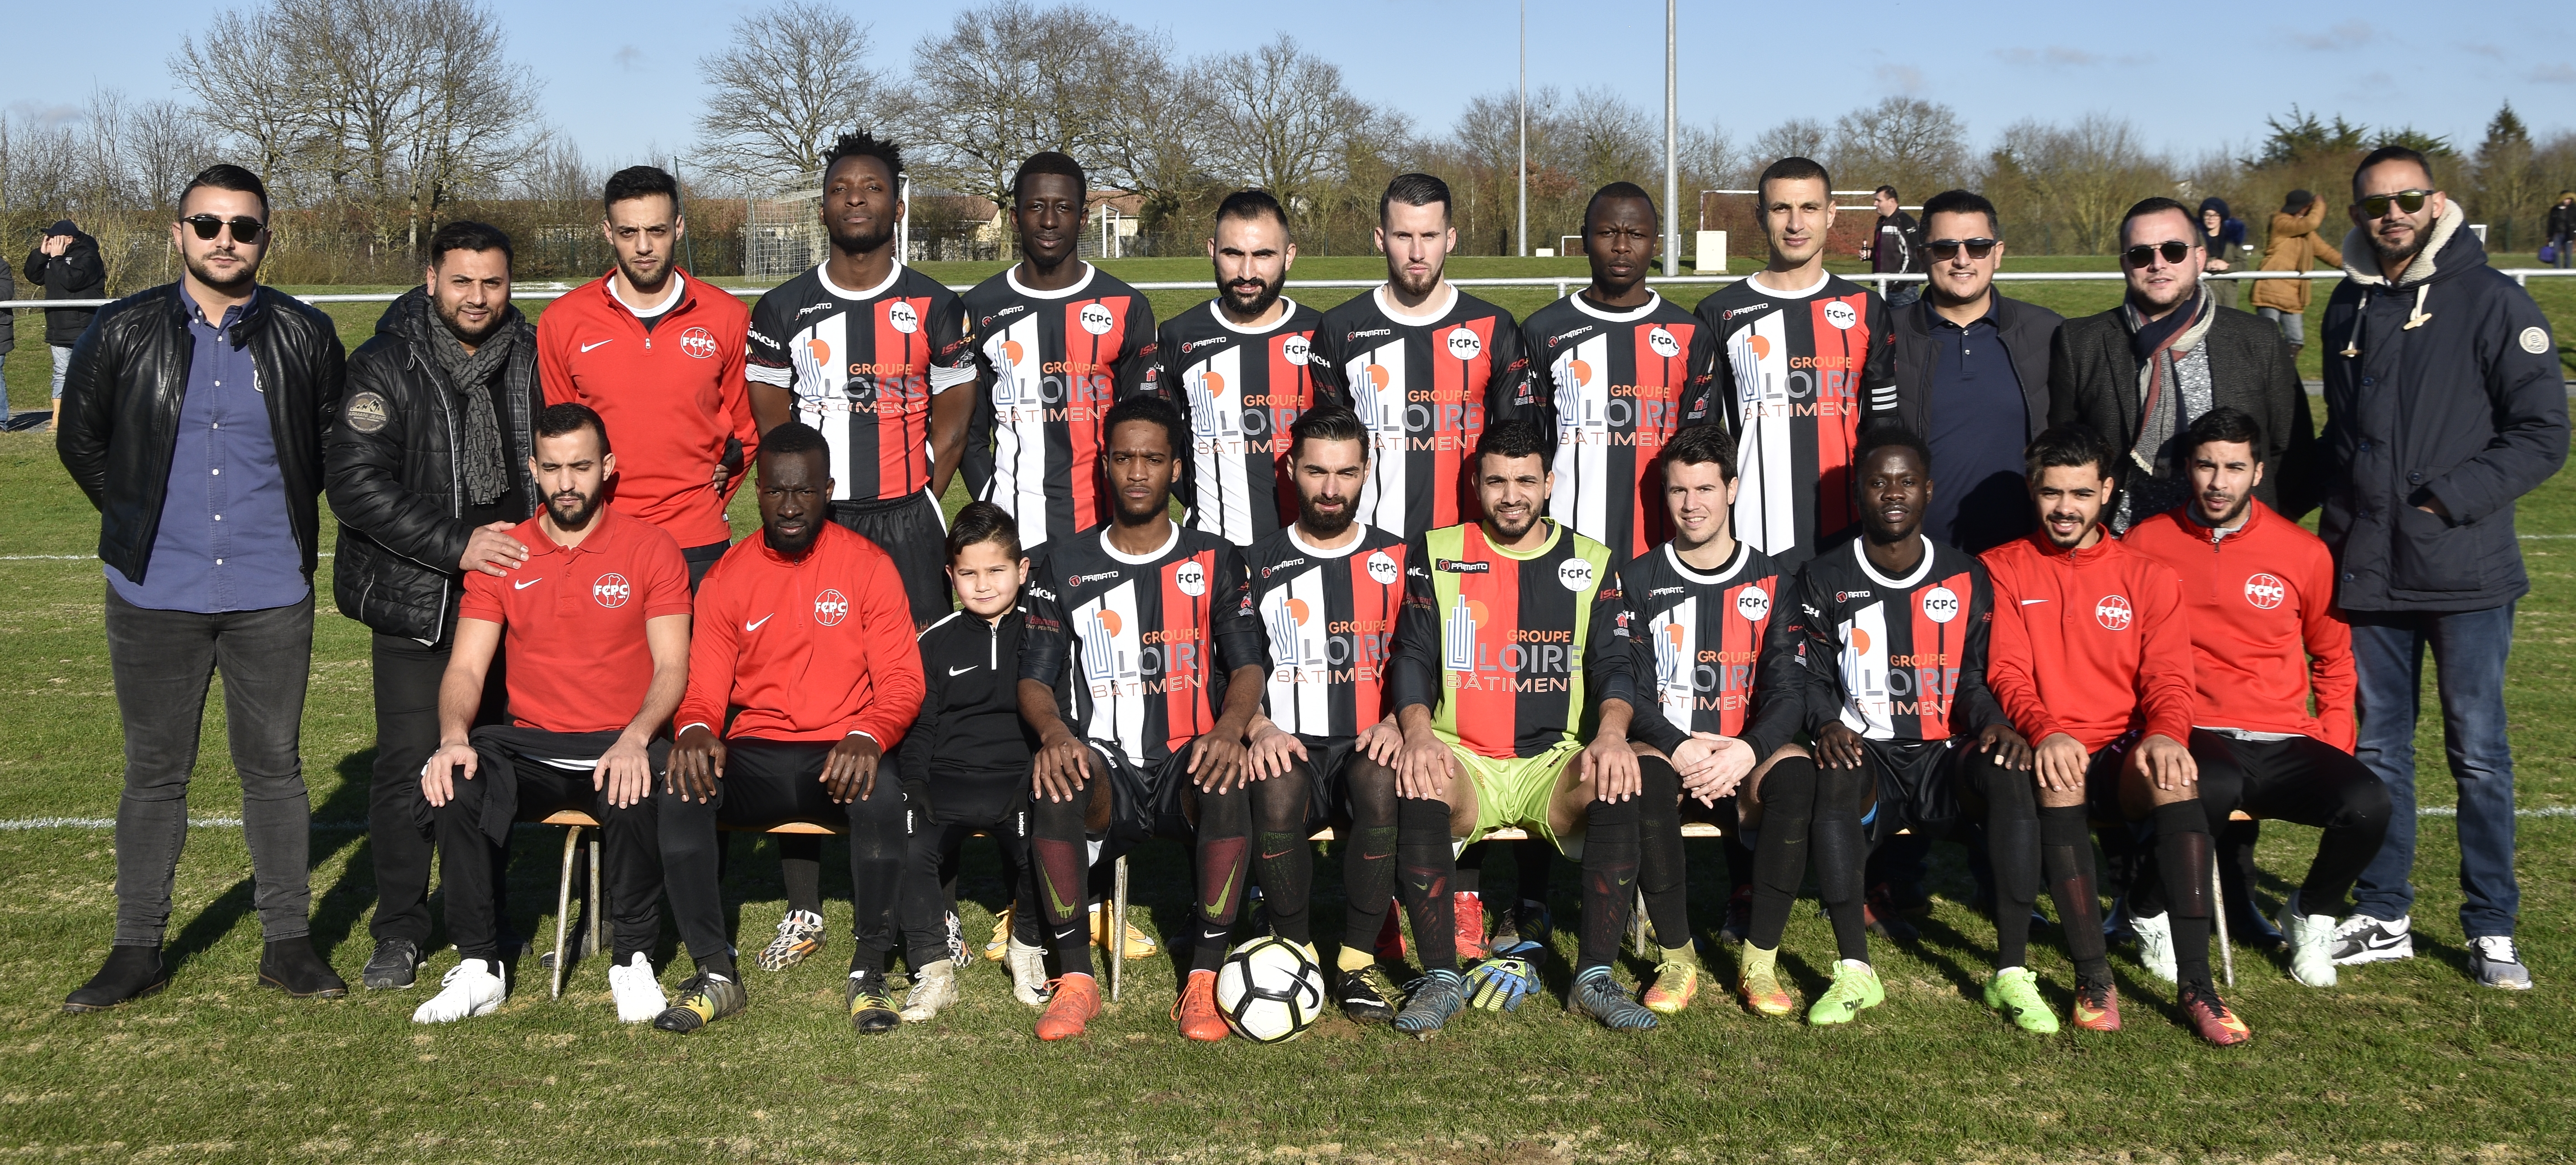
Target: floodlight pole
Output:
[(1672, 128), (1524, 165)]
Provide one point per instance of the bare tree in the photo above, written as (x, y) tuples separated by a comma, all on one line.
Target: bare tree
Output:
[(1286, 120), (1798, 137), (789, 79), (1008, 80), (2079, 177), (165, 145), (248, 88), (1914, 145), (1154, 140)]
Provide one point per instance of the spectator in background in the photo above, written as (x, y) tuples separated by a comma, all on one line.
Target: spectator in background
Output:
[(66, 264), (2224, 239), (2562, 230), (1892, 246), (2444, 405), (2295, 245), (8, 325)]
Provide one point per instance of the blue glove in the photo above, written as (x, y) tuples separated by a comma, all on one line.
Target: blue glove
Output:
[(1500, 983)]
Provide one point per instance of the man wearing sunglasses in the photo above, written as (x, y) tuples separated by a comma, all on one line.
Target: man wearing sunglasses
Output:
[(2142, 372), (193, 418), (2445, 404)]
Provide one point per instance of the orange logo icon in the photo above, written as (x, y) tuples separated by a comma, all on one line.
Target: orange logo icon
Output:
[(1214, 383), (820, 351), (1378, 377), (1011, 352), (1110, 622), (1859, 641), (1761, 346), (1580, 370), (1298, 611)]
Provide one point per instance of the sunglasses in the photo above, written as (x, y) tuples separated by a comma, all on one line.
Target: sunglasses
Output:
[(1942, 250), (245, 229), (2408, 201), (2145, 253)]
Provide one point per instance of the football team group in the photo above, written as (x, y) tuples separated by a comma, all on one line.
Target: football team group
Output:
[(1837, 578)]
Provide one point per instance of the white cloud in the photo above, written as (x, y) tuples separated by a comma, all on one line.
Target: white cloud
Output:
[(628, 58), (1905, 79), (2554, 74)]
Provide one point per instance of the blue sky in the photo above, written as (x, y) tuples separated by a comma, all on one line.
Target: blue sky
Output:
[(620, 78)]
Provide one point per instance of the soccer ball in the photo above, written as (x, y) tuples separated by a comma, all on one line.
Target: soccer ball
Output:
[(1269, 990)]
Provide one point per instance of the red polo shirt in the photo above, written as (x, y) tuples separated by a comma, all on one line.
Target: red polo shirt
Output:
[(573, 621), (2090, 642), (672, 397), (810, 650), (2264, 633)]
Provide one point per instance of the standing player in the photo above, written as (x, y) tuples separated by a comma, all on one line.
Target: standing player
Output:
[(1240, 366), (1140, 671), (661, 358), (2092, 660), (1623, 369), (801, 629), (1328, 588), (2265, 638), (1057, 341), (1802, 356)]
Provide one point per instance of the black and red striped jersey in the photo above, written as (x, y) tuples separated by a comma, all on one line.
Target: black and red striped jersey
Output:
[(1512, 652), (1050, 364), (1331, 617), (1621, 382), (1900, 658), (1715, 652), (1242, 388), (863, 366), (1424, 384), (1796, 370), (1138, 647)]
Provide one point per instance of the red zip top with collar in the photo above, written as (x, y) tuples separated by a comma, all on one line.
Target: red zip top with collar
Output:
[(672, 397), (810, 650), (2089, 642), (2264, 631)]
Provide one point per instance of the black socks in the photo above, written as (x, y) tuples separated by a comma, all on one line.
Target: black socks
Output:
[(1662, 874), (2182, 857), (1841, 853), (2066, 863), (1426, 868), (1788, 800), (1609, 879)]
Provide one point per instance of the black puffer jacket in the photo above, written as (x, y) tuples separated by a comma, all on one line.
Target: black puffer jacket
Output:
[(78, 273), (391, 459), (121, 398), (2468, 406)]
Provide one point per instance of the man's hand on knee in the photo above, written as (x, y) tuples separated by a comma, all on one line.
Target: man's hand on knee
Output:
[(2166, 763)]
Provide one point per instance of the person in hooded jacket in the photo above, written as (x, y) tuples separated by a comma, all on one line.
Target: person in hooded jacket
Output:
[(2294, 245), (2224, 238), (66, 264), (426, 468), (2445, 403)]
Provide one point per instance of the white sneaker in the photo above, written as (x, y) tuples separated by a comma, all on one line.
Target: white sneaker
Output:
[(2363, 939), (2498, 963), (638, 991), (469, 988), (2155, 944), (1028, 972), (2312, 943), (934, 989)]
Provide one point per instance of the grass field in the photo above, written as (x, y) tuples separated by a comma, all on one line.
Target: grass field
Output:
[(2407, 1060)]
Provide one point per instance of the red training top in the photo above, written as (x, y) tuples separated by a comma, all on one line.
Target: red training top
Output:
[(2088, 642), (810, 650), (672, 397), (573, 621), (2264, 632)]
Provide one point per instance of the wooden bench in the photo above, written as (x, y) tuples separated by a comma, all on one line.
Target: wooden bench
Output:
[(574, 821)]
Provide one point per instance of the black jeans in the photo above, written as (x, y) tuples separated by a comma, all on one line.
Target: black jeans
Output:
[(402, 836), (772, 782), (2305, 781), (163, 662), (931, 852), (513, 785)]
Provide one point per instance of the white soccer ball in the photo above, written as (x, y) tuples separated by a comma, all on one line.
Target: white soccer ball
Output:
[(1269, 990)]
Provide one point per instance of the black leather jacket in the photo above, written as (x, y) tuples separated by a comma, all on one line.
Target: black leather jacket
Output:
[(121, 398), (391, 460)]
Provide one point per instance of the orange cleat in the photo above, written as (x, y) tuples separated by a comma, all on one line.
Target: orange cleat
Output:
[(2097, 1007), (1072, 1002), (1196, 1009), (1470, 910), (2210, 1017)]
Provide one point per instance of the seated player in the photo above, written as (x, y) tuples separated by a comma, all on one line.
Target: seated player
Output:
[(2265, 638), (1140, 670), (1510, 645), (1328, 589), (803, 627), (1907, 735), (967, 770), (2091, 657), (595, 623), (1724, 710)]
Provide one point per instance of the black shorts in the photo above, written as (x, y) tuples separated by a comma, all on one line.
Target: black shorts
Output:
[(1145, 798), (978, 800), (1914, 793), (910, 531), (1328, 765)]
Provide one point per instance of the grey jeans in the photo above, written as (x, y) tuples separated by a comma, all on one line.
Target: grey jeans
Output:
[(2294, 326), (62, 367), (163, 662)]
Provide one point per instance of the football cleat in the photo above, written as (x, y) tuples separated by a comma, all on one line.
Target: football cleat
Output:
[(1072, 1002), (1368, 996), (395, 967), (1759, 984), (1429, 1003), (1676, 984), (2155, 944), (1527, 922), (1855, 989), (1196, 1009), (705, 998), (2312, 943), (2014, 991), (1028, 972), (933, 990), (2210, 1017), (1597, 995), (1139, 944), (1880, 913), (1000, 944), (871, 1002), (637, 990), (799, 934), (2097, 1006), (1469, 910)]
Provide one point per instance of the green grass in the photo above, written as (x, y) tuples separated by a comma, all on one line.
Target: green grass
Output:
[(2407, 1060)]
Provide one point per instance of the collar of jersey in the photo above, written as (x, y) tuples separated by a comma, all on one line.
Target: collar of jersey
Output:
[(1922, 570), (823, 275), (1288, 306), (1628, 316), (1359, 534), (1140, 559), (601, 533), (1734, 563), (2078, 556), (2213, 535), (820, 536), (1555, 532), (1011, 276), (679, 287), (1386, 305), (1793, 293)]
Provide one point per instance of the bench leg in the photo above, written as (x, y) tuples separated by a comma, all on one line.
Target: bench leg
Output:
[(2218, 913), (598, 918), (563, 911), (1118, 928)]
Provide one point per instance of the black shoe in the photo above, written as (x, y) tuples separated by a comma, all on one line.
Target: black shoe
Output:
[(1880, 913), (871, 1002), (130, 974), (395, 967), (576, 946), (1368, 995), (1528, 921), (290, 965)]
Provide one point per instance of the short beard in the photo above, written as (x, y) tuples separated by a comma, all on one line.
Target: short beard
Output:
[(1326, 525), (2397, 260), (637, 285), (1259, 306), (248, 278), (1510, 534), (456, 329), (2079, 535), (855, 244), (1395, 277), (793, 547), (2224, 520), (580, 518)]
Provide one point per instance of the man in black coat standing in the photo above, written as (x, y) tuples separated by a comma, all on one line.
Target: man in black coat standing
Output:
[(2142, 372), (2445, 402), (65, 264), (428, 472)]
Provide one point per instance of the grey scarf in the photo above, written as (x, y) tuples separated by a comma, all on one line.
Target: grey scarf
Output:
[(480, 454), (2173, 391)]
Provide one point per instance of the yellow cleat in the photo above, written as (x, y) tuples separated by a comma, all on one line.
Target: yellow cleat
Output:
[(1760, 986), (1139, 946), (1001, 941)]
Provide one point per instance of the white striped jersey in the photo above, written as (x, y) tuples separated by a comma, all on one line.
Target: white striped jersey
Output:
[(1620, 383), (862, 366), (1714, 653), (1425, 386), (1241, 387), (1331, 618), (1900, 658), (1138, 647), (1796, 370), (1050, 364)]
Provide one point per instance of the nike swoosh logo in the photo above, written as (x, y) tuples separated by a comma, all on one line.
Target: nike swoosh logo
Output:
[(588, 347), (954, 672), (521, 586), (2027, 602), (748, 628), (1268, 856), (1223, 892)]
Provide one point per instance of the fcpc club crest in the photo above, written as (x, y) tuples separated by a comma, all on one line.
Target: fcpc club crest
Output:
[(611, 590), (698, 342), (1190, 579), (1294, 349), (1663, 344), (1841, 315), (900, 314), (1096, 319), (1941, 604), (2265, 591), (2112, 612), (1465, 344), (1753, 604), (1382, 569), (830, 608)]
